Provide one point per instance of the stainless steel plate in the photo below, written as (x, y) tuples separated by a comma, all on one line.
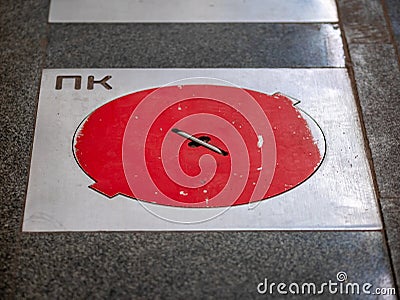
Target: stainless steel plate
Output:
[(131, 11), (338, 196)]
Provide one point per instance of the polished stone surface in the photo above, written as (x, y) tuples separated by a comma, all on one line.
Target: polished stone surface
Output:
[(193, 265), (22, 52), (194, 45), (8, 246), (391, 217), (379, 94), (363, 21)]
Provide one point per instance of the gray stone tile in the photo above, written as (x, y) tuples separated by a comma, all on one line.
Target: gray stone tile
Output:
[(194, 45), (19, 83), (377, 77), (226, 265), (364, 21), (22, 20), (391, 217), (8, 245), (23, 27)]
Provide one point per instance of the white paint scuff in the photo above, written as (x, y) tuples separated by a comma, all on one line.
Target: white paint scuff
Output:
[(260, 141)]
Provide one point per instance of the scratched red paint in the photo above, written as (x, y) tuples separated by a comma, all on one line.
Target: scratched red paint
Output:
[(108, 147)]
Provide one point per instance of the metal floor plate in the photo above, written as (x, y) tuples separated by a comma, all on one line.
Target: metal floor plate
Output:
[(131, 11), (338, 196)]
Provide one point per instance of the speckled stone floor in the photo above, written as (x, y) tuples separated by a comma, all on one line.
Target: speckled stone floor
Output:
[(199, 265)]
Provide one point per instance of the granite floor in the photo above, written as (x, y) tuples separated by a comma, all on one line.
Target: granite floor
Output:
[(199, 265)]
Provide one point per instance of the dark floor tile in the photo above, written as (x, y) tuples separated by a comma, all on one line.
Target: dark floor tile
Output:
[(194, 45), (391, 217), (8, 245), (22, 40), (18, 98), (364, 21), (226, 265), (22, 20), (377, 77)]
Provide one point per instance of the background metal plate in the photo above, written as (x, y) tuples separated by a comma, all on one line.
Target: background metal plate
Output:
[(340, 195), (130, 11)]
